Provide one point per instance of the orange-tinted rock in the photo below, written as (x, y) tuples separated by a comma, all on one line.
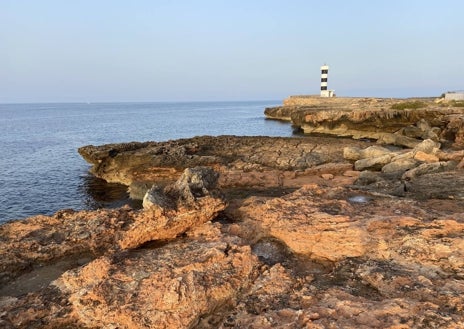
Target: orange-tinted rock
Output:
[(298, 221), (170, 211), (68, 235), (169, 287), (327, 176), (425, 157), (77, 237), (251, 162), (321, 256), (393, 262)]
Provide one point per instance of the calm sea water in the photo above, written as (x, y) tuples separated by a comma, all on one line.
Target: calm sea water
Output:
[(41, 171)]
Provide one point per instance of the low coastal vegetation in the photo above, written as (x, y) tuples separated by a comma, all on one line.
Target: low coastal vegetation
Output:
[(409, 105)]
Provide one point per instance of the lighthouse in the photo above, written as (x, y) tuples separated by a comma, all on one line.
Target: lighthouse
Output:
[(324, 75)]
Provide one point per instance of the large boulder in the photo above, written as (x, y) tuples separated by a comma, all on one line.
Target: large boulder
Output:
[(192, 200), (168, 287), (194, 183)]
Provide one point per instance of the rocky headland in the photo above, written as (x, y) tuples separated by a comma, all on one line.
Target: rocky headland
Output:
[(319, 231), (402, 122)]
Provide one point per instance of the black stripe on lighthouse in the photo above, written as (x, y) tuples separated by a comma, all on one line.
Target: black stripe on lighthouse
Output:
[(324, 78)]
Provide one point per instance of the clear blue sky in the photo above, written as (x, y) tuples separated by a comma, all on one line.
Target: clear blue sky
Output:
[(180, 50)]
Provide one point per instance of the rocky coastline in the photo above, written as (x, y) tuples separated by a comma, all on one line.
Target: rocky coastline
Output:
[(359, 225)]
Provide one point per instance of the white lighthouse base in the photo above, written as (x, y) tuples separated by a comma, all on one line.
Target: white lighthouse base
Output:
[(327, 93)]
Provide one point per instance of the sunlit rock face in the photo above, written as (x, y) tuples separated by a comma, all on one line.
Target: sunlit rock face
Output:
[(242, 162), (314, 258), (388, 121), (167, 287), (266, 233)]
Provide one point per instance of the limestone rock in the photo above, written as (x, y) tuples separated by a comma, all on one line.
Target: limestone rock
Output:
[(427, 146), (304, 233), (71, 237), (61, 241), (397, 139), (193, 184), (450, 155), (353, 153), (280, 112), (242, 162), (194, 199), (412, 131), (375, 151), (327, 176), (386, 251), (426, 157), (351, 173), (401, 165), (367, 177), (169, 287), (437, 185), (372, 163), (403, 251), (403, 156), (454, 129), (318, 257), (427, 168), (374, 119)]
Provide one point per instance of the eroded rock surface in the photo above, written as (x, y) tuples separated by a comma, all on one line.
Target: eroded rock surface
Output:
[(192, 200), (315, 258), (379, 248), (168, 287), (251, 162), (384, 262), (423, 172), (374, 118), (77, 237)]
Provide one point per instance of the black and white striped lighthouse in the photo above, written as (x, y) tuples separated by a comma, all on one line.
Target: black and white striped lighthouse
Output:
[(324, 75)]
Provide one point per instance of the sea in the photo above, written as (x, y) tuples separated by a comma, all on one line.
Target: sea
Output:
[(41, 171)]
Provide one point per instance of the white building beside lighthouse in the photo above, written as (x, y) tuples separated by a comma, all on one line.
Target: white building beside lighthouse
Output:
[(324, 76)]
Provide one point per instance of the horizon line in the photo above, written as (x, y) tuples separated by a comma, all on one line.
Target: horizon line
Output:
[(164, 101)]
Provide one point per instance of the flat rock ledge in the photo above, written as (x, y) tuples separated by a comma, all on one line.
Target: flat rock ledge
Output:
[(242, 162), (402, 122), (367, 237)]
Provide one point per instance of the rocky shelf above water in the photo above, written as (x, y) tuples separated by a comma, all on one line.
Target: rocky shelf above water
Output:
[(403, 122), (249, 232), (243, 162)]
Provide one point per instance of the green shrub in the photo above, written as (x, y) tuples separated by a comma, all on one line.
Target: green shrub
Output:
[(408, 105)]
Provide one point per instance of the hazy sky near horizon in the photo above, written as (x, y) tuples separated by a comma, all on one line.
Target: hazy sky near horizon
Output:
[(161, 50)]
